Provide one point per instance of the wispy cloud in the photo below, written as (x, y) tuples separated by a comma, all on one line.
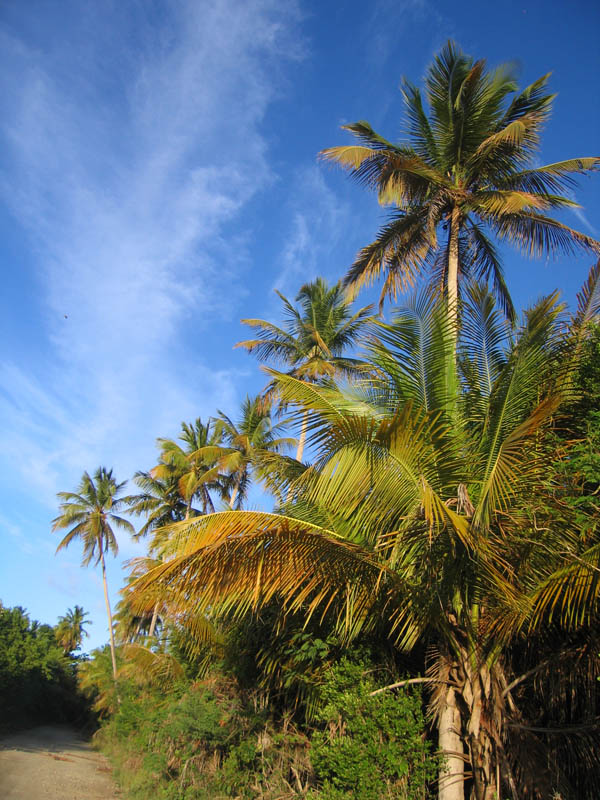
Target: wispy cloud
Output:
[(318, 220), (581, 216), (389, 19), (127, 179)]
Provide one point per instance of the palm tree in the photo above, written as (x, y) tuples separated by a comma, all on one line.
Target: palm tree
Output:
[(70, 629), (90, 513), (195, 476), (162, 503), (245, 442), (169, 489), (464, 173), (440, 526), (314, 338), (159, 500)]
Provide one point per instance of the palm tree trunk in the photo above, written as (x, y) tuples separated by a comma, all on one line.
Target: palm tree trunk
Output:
[(452, 277), (452, 310), (302, 439), (108, 612), (234, 494), (478, 693), (153, 621), (451, 777), (470, 724)]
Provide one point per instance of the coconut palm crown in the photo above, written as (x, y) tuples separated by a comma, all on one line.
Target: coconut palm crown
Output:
[(185, 466), (245, 442), (70, 629), (464, 174), (315, 337)]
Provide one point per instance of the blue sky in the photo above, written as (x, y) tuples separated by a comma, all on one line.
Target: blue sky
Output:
[(159, 179)]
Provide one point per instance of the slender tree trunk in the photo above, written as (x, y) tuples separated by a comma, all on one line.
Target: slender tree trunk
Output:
[(452, 310), (153, 621), (302, 440), (109, 614), (451, 777), (234, 494), (452, 277), (470, 724)]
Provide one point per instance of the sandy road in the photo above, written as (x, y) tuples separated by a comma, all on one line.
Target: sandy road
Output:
[(53, 763)]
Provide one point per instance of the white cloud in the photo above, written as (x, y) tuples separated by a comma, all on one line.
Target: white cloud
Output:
[(129, 147), (126, 178)]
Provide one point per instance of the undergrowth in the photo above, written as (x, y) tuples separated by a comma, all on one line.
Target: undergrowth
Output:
[(207, 740)]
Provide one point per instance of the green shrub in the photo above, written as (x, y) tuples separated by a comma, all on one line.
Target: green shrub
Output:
[(369, 746), (199, 741)]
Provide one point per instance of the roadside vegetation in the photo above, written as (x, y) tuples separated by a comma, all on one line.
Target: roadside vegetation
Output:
[(415, 611), (38, 670)]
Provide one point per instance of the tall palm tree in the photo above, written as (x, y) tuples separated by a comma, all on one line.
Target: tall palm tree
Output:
[(70, 629), (441, 527), (464, 173), (90, 513), (315, 337)]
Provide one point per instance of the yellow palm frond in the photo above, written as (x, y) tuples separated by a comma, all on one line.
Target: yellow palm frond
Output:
[(237, 560)]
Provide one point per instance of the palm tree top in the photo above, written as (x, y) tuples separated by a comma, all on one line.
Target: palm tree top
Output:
[(89, 513), (189, 467), (466, 165), (70, 629), (254, 429), (314, 335)]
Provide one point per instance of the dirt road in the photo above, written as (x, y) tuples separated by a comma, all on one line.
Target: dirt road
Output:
[(53, 763)]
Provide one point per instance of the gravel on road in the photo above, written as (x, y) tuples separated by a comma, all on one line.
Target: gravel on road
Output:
[(53, 762)]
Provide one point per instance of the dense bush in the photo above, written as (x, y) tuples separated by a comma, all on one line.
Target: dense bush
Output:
[(211, 739), (201, 741), (369, 746)]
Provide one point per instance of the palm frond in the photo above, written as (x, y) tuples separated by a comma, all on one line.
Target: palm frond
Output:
[(536, 234), (571, 594), (401, 247), (235, 561)]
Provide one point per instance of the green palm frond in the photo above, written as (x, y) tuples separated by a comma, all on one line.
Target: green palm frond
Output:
[(413, 354), (550, 178), (151, 667), (536, 234), (484, 265), (588, 299), (571, 594), (401, 247), (516, 411), (483, 342)]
